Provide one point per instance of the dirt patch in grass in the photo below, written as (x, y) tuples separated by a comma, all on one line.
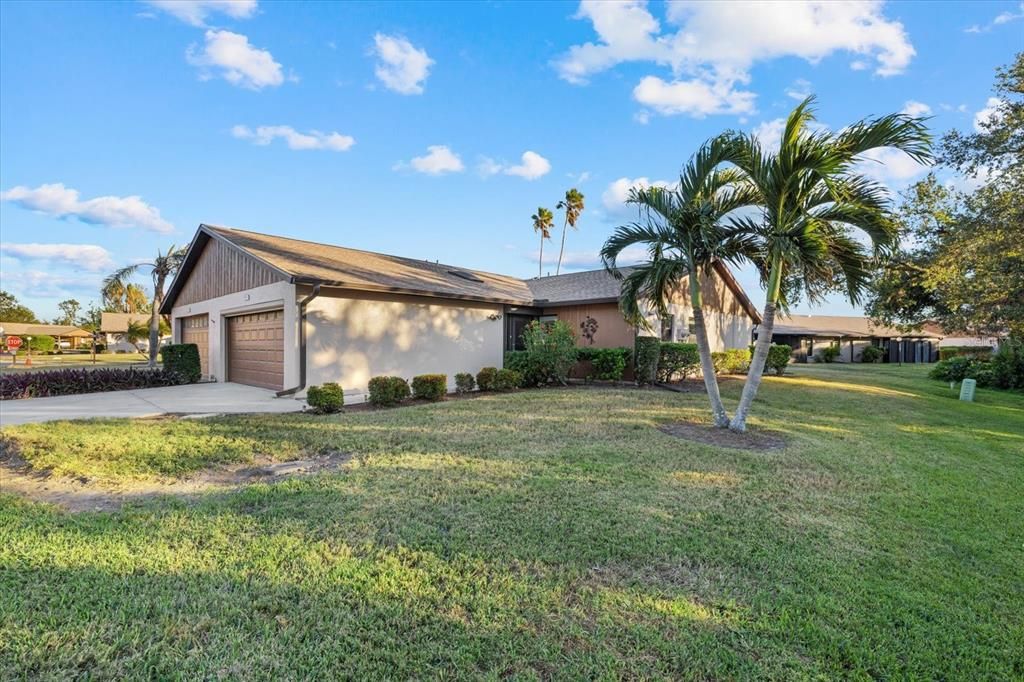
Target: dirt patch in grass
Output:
[(761, 441), (81, 495)]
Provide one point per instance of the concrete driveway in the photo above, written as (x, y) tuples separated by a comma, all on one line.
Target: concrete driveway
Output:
[(194, 399)]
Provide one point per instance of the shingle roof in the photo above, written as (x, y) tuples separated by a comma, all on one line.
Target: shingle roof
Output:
[(577, 286), (837, 325), (32, 329)]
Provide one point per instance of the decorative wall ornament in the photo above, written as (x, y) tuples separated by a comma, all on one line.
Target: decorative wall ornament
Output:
[(588, 328)]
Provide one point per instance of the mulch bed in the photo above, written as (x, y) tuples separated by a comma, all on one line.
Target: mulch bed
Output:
[(758, 441)]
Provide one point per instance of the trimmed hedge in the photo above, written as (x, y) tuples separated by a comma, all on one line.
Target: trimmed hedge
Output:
[(386, 391), (677, 359), (326, 398), (519, 361), (610, 363), (464, 383), (648, 351), (872, 354), (980, 352), (485, 378), (184, 359), (778, 358), (431, 387), (828, 354), (506, 380), (732, 361), (18, 385)]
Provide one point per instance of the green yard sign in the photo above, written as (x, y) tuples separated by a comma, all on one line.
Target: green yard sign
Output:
[(967, 389)]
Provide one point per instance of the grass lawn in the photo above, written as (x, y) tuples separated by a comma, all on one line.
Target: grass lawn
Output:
[(544, 534)]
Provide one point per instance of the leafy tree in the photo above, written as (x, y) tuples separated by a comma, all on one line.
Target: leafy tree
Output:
[(811, 201), (68, 311), (12, 311), (543, 221), (573, 207), (161, 268), (124, 297), (683, 231)]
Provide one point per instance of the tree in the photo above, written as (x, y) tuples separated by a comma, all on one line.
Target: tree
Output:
[(124, 297), (68, 312), (136, 333), (683, 231), (543, 221), (812, 199), (12, 311), (163, 267), (573, 207)]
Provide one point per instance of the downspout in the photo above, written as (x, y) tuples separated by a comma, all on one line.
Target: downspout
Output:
[(302, 343)]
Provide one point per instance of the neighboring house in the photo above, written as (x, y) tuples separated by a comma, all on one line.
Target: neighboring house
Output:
[(285, 313), (808, 334), (66, 336), (961, 339), (114, 327)]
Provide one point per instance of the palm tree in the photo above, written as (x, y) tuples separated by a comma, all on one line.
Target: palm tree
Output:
[(136, 333), (573, 206), (543, 221), (812, 201), (683, 231), (164, 266), (122, 297)]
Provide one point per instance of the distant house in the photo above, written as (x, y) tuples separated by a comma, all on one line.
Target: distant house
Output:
[(114, 327), (808, 334), (285, 313), (962, 339), (66, 336)]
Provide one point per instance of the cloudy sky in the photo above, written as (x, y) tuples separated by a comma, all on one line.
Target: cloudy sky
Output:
[(425, 130)]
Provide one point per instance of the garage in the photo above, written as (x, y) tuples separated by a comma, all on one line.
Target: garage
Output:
[(255, 349), (196, 329)]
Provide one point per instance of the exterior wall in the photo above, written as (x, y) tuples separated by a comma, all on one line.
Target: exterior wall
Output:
[(221, 270), (267, 297), (353, 336), (612, 330), (728, 324), (953, 341)]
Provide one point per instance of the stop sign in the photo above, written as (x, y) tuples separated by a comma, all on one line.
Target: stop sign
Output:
[(13, 342)]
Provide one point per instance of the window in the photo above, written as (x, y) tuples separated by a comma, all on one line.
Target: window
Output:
[(691, 328), (666, 327)]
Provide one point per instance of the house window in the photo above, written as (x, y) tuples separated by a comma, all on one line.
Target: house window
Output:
[(691, 328), (666, 327)]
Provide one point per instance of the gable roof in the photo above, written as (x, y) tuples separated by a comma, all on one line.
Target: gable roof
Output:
[(33, 329), (117, 323), (838, 325), (301, 261)]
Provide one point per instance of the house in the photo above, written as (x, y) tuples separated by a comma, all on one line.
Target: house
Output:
[(962, 339), (285, 313), (66, 336), (114, 326), (808, 334)]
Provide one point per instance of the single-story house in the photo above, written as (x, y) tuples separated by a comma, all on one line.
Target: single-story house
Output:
[(808, 334), (285, 313), (114, 326), (962, 339), (66, 335)]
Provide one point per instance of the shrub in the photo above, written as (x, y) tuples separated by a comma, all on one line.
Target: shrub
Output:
[(778, 358), (182, 358), (464, 383), (827, 354), (388, 390), (610, 363), (519, 361), (39, 344), (431, 387), (485, 378), (980, 352), (14, 386), (731, 361), (983, 374), (550, 351), (871, 354), (956, 368), (506, 380), (677, 359), (648, 352), (326, 398), (1008, 365)]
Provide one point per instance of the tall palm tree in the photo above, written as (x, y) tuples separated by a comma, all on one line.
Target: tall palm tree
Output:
[(164, 266), (122, 297), (813, 199), (543, 221), (573, 206), (684, 232)]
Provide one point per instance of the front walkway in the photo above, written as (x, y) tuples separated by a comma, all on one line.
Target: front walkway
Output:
[(194, 399)]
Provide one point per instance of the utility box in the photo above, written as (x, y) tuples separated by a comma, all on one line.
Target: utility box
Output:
[(967, 389)]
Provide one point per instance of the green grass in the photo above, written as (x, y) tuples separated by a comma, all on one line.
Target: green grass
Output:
[(545, 534), (72, 361)]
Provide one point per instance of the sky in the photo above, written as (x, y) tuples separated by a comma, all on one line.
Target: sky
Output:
[(428, 130)]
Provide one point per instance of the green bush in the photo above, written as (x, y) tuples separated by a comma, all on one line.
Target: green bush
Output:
[(506, 380), (550, 351), (648, 352), (980, 352), (677, 360), (983, 374), (38, 344), (872, 354), (326, 398), (388, 390), (182, 358), (431, 387), (464, 383), (778, 358), (485, 378), (731, 361), (610, 363), (956, 368), (519, 361), (827, 354), (1008, 365)]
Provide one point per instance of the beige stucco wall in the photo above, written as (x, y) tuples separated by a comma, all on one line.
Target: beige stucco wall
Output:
[(728, 324), (352, 337)]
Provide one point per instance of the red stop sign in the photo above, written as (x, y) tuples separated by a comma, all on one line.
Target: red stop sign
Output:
[(13, 342)]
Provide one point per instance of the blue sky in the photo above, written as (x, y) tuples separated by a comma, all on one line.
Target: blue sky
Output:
[(424, 130)]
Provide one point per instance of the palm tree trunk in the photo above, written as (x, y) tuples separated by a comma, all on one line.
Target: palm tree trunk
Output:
[(154, 332), (764, 342), (565, 226), (707, 366), (540, 261)]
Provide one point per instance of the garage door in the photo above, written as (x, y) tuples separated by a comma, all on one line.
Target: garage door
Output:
[(256, 349), (196, 329)]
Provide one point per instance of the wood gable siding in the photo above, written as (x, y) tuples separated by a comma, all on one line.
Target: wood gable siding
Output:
[(222, 269)]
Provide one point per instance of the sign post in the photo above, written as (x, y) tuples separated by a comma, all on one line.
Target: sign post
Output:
[(13, 344)]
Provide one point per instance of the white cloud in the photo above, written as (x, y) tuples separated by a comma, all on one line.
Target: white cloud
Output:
[(194, 12), (44, 284), (913, 108), (999, 20), (314, 139), (438, 160), (580, 178), (799, 90), (60, 201), (532, 166), (989, 114), (591, 260), (86, 256), (615, 195), (890, 167), (769, 133), (239, 62), (401, 66), (715, 45)]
